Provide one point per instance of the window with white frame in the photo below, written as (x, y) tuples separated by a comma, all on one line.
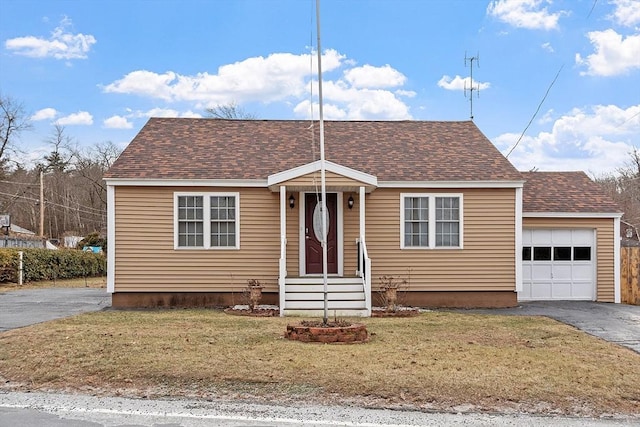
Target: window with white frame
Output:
[(207, 220), (431, 220)]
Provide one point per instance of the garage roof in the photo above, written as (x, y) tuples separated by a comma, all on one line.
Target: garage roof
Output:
[(572, 192)]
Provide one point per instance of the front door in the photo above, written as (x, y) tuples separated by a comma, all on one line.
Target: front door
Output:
[(313, 233)]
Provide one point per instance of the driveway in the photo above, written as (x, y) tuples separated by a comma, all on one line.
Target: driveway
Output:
[(616, 323), (30, 306)]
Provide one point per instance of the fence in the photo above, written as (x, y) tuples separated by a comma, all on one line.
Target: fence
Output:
[(16, 242), (630, 275)]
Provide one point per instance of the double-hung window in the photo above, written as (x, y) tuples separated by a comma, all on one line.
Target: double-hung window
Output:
[(207, 220), (430, 221)]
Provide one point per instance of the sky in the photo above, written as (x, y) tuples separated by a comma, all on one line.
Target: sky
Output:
[(556, 83)]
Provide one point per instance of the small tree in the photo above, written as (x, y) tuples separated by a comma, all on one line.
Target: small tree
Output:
[(229, 111)]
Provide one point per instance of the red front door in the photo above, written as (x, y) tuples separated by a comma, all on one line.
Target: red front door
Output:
[(313, 234)]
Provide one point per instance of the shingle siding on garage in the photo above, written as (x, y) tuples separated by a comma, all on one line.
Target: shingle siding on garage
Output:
[(605, 247)]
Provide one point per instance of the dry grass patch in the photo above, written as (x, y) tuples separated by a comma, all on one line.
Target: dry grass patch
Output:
[(89, 282), (438, 360)]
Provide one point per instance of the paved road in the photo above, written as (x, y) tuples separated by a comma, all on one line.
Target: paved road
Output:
[(617, 323), (53, 410), (30, 306)]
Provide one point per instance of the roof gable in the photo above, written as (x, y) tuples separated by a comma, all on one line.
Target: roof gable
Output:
[(184, 148), (571, 192)]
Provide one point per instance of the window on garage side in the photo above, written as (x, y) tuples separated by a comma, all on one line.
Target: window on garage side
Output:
[(207, 220), (431, 221)]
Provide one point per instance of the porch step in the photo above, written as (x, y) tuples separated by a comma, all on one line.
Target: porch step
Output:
[(305, 296)]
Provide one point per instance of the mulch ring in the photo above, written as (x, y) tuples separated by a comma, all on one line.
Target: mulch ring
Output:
[(260, 311), (400, 312)]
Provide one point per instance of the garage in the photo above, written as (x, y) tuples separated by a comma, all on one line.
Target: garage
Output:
[(558, 264)]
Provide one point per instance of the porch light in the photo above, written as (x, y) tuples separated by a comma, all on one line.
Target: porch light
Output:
[(292, 201), (350, 202)]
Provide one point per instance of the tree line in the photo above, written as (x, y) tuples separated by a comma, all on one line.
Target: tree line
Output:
[(69, 178)]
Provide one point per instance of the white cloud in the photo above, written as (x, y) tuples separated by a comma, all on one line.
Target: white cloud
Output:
[(613, 55), (274, 78), (60, 45), (79, 118), (597, 139), (460, 83), (626, 12), (369, 76), (529, 14), (547, 46), (44, 114), (359, 93), (164, 112), (117, 122)]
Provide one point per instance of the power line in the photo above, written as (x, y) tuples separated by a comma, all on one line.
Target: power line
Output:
[(536, 113), (97, 213)]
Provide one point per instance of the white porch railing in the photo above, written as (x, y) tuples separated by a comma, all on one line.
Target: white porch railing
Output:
[(283, 272), (364, 271)]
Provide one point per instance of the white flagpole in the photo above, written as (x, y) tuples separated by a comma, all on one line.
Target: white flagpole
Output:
[(323, 202)]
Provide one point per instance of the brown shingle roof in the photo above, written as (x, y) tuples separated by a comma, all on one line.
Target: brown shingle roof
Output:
[(564, 192), (183, 148)]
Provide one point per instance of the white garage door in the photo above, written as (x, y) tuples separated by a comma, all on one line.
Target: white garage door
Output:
[(558, 264)]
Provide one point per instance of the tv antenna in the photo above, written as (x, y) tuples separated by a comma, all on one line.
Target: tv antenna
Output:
[(471, 86)]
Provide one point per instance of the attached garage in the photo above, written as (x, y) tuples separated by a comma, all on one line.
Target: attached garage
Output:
[(570, 244), (558, 264)]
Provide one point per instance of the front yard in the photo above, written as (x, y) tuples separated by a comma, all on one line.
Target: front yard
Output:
[(436, 361)]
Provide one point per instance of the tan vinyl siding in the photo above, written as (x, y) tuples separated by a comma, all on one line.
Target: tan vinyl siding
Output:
[(486, 263), (333, 181), (144, 244), (351, 230), (293, 238), (604, 250)]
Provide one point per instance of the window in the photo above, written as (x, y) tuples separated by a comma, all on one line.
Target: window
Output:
[(207, 220), (562, 253), (526, 253), (542, 253), (582, 253), (431, 221)]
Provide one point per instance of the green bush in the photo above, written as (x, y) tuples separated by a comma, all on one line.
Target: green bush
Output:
[(45, 264)]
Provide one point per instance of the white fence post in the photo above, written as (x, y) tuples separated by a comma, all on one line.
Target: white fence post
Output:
[(20, 268)]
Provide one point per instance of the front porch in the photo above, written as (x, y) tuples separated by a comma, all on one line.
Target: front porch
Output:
[(301, 285)]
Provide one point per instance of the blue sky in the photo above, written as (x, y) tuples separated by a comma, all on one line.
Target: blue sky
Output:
[(102, 68)]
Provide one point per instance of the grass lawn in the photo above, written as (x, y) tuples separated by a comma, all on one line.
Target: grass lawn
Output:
[(90, 282), (436, 361)]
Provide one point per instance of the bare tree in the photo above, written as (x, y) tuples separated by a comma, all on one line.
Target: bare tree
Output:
[(13, 121), (229, 111), (624, 188)]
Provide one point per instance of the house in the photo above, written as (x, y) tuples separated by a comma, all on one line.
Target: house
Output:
[(197, 207)]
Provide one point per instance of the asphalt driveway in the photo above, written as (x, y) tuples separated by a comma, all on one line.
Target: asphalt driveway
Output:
[(616, 323), (30, 306)]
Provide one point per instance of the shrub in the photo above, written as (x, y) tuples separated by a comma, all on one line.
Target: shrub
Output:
[(44, 264)]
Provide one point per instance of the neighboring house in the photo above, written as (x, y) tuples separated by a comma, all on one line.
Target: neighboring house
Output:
[(196, 207)]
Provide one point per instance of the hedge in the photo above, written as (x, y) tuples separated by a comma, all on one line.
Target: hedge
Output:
[(45, 264)]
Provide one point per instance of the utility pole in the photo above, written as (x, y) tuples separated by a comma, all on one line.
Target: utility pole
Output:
[(471, 88), (41, 203)]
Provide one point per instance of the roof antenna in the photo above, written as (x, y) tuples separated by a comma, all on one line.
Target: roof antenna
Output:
[(471, 88)]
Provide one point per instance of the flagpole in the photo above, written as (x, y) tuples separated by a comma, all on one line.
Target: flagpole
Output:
[(323, 201)]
